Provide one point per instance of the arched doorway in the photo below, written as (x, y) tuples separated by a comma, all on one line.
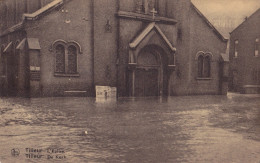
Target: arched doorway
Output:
[(150, 75)]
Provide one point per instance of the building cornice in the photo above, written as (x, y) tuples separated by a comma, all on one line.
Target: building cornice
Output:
[(145, 17)]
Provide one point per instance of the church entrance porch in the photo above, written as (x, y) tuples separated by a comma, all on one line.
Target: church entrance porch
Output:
[(149, 76), (151, 63)]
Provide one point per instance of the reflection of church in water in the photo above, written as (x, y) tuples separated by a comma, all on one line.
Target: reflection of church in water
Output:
[(142, 47)]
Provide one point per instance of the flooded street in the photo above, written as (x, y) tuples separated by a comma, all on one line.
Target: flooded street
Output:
[(216, 129)]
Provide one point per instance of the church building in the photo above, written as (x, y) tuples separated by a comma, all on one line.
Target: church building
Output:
[(141, 47)]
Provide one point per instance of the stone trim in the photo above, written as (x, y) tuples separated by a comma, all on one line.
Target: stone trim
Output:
[(145, 17)]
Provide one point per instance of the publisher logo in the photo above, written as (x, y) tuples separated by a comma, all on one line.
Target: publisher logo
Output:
[(15, 152)]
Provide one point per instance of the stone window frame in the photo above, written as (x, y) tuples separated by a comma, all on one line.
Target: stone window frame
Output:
[(203, 69), (66, 45), (256, 51)]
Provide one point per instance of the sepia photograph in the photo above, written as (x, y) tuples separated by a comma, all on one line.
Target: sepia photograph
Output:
[(129, 81)]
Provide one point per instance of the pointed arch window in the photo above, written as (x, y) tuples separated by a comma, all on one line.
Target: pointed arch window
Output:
[(204, 65)]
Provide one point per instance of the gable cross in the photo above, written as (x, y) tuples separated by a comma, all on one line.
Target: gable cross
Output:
[(154, 12)]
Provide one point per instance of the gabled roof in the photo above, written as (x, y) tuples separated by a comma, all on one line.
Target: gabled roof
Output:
[(12, 29), (209, 24), (33, 16), (33, 44), (258, 10), (146, 31), (42, 10)]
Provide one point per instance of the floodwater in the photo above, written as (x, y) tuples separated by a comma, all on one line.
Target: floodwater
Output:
[(192, 129)]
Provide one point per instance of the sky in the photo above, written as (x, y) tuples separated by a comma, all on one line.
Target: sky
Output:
[(227, 14)]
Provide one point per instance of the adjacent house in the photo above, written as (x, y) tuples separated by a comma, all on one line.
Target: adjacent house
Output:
[(244, 56)]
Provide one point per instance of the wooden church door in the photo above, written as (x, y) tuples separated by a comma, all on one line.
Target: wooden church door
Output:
[(147, 74), (146, 82)]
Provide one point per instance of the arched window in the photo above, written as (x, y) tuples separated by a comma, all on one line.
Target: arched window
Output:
[(204, 65), (256, 47), (60, 58), (72, 59), (200, 66), (66, 57)]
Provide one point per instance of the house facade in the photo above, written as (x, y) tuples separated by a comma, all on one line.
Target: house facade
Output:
[(141, 47), (244, 56)]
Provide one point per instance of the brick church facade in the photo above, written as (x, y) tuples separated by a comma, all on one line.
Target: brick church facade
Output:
[(142, 47)]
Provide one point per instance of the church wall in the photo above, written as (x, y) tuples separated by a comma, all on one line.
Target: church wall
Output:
[(71, 22), (3, 11), (204, 39), (132, 5), (128, 29), (105, 33), (21, 8), (246, 65), (127, 5), (179, 81), (10, 14)]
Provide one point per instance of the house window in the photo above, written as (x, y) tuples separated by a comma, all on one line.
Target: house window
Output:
[(66, 57), (256, 47), (204, 65), (236, 49)]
